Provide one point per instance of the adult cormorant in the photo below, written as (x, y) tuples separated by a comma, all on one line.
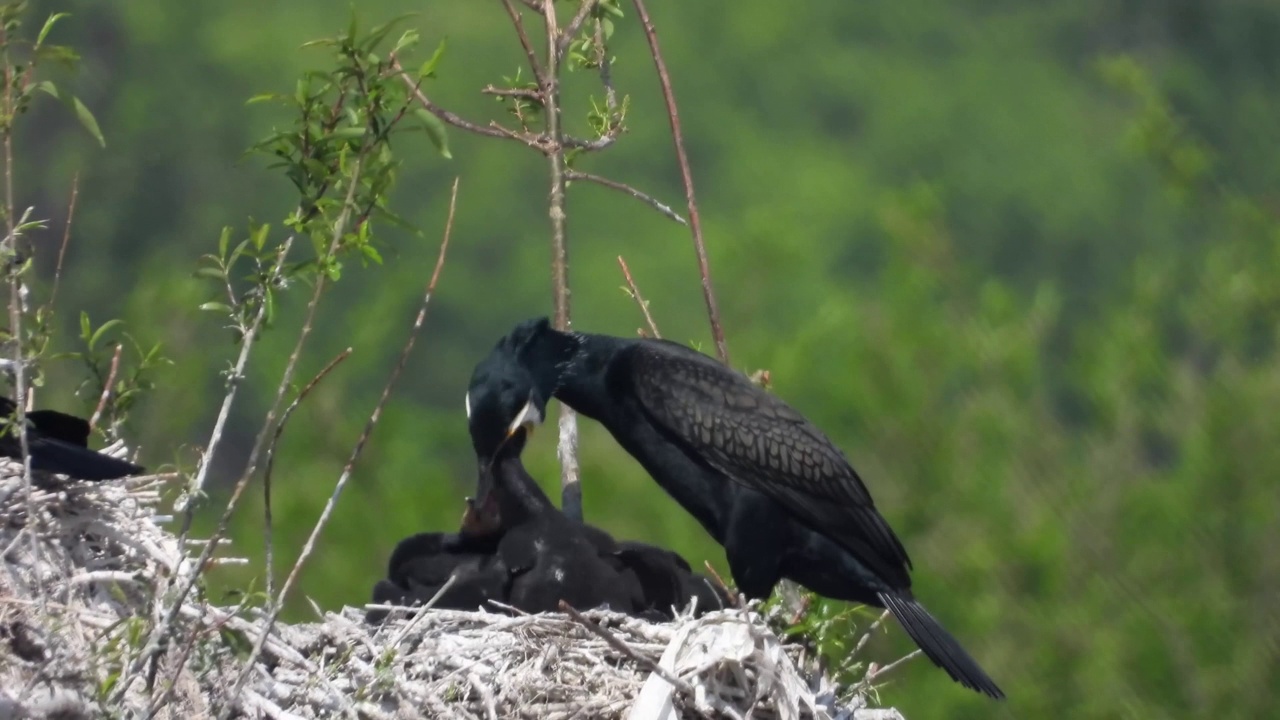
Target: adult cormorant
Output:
[(761, 479), (59, 443)]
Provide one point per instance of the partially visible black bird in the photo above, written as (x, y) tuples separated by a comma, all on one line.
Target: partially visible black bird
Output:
[(422, 565), (763, 481), (502, 405), (549, 556), (59, 443)]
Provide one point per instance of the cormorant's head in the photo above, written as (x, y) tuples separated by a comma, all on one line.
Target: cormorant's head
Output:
[(541, 349), (503, 407)]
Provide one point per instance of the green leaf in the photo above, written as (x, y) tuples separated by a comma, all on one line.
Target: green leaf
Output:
[(408, 39), (434, 128), (82, 113), (216, 307), (97, 334), (48, 25), (346, 133), (85, 328), (428, 68), (210, 272), (376, 35)]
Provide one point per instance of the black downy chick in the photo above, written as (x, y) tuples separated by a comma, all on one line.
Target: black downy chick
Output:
[(549, 556), (59, 443), (422, 565)]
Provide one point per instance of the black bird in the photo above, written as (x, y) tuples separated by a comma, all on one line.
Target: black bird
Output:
[(421, 565), (761, 479), (59, 443), (549, 556), (655, 580)]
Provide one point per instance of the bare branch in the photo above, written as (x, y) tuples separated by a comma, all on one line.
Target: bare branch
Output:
[(635, 293), (356, 451), (567, 446), (873, 674), (649, 200), (531, 95), (622, 647), (574, 26), (538, 74), (492, 130), (106, 387), (271, 461), (695, 225), (66, 238)]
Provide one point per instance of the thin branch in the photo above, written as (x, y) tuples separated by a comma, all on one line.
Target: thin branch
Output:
[(13, 267), (106, 387), (620, 646), (567, 446), (526, 93), (571, 175), (161, 630), (492, 130), (66, 238), (635, 293), (734, 597), (695, 225), (247, 342), (866, 636), (873, 675), (539, 75), (327, 512), (187, 505), (574, 26), (271, 460), (606, 71)]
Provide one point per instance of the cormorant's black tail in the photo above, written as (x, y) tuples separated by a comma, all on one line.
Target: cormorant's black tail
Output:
[(78, 462), (938, 644)]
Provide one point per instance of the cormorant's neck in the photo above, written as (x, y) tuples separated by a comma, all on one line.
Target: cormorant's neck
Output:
[(582, 377), (519, 496)]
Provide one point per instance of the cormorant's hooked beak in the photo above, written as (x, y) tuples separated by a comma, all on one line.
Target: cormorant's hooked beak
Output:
[(528, 418)]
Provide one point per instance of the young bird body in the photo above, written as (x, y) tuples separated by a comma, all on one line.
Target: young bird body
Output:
[(763, 481), (422, 565)]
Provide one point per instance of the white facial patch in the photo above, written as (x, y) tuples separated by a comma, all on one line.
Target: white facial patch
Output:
[(528, 416)]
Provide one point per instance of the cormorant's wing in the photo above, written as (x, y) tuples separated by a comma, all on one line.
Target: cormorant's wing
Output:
[(759, 441)]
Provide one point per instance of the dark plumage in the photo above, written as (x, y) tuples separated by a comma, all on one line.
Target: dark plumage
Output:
[(549, 556), (59, 443), (422, 564), (763, 481), (502, 407)]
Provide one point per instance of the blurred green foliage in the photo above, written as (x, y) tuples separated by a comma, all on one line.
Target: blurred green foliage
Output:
[(1019, 259)]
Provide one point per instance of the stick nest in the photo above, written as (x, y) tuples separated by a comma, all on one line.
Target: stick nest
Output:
[(90, 569)]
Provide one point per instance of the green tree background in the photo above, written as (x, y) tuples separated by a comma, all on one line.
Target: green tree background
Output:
[(1018, 259)]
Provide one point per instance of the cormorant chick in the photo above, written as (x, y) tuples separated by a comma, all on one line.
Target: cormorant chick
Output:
[(421, 565), (761, 479), (58, 443)]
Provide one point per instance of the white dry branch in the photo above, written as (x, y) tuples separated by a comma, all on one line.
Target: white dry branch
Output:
[(101, 551)]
